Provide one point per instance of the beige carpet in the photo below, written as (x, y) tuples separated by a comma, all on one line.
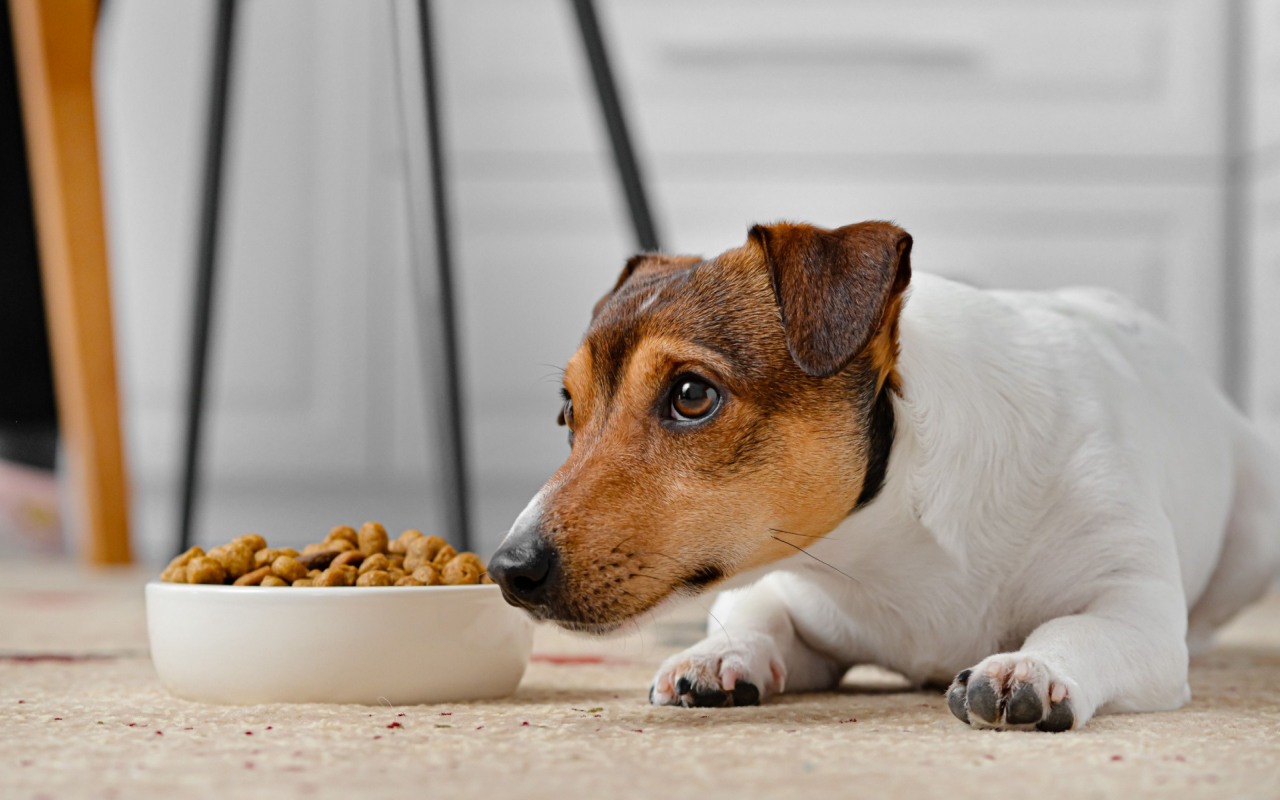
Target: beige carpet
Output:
[(82, 715)]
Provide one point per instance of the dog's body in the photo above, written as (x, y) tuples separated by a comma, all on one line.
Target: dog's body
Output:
[(1059, 501)]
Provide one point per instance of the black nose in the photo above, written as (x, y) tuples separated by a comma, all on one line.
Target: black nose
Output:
[(524, 568)]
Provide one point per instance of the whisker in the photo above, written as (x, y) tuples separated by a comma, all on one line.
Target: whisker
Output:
[(640, 575), (815, 558), (727, 635), (825, 537)]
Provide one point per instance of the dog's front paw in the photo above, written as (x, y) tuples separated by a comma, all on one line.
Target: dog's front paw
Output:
[(742, 670), (1012, 691)]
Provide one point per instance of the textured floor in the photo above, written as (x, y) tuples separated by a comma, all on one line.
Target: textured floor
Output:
[(82, 715)]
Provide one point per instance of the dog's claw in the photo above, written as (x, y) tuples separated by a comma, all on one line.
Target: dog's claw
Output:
[(1060, 718), (956, 696)]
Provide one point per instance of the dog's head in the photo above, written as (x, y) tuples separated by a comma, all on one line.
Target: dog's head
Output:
[(721, 413)]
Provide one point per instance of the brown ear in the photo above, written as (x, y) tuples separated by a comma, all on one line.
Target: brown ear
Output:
[(839, 291), (643, 266)]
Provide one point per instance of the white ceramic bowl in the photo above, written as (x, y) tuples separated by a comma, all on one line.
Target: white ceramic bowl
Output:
[(371, 645)]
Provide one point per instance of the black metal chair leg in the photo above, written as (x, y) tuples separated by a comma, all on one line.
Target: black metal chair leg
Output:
[(611, 107), (454, 462), (206, 261)]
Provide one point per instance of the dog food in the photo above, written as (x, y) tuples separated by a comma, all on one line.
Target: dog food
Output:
[(346, 557)]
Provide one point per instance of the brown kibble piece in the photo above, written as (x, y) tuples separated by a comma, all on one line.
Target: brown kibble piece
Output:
[(272, 580), (288, 568), (372, 538), (400, 545), (264, 557), (396, 573), (253, 578), (314, 573), (396, 560), (174, 573), (344, 533), (427, 575), (337, 575), (351, 557), (422, 551), (304, 582), (445, 555), (236, 559), (340, 545), (460, 571), (185, 558), (377, 561), (253, 541), (205, 570), (408, 580), (486, 579), (317, 559), (312, 549), (469, 557), (376, 577)]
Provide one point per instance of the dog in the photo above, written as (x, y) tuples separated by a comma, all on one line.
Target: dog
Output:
[(1034, 499)]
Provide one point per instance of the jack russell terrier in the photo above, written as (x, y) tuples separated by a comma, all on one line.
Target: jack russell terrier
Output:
[(1034, 498)]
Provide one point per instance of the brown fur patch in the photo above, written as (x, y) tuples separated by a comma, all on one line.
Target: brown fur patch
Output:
[(646, 506)]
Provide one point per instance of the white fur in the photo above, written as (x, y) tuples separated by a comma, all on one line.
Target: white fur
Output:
[(1065, 487)]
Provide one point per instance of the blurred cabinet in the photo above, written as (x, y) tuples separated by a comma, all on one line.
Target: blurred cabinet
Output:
[(1025, 144), (1262, 207)]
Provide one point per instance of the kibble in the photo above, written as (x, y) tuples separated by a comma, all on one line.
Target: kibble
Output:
[(353, 558), (346, 557), (205, 570), (254, 578), (376, 577), (345, 533), (372, 538), (288, 568), (235, 558)]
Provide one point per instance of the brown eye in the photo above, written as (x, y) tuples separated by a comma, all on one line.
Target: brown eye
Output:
[(566, 410), (693, 399), (566, 414)]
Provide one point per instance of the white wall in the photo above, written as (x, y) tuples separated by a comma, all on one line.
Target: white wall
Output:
[(1023, 144)]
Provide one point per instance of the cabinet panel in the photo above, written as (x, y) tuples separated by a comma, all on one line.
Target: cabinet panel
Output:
[(887, 78), (1263, 311), (1262, 76), (286, 391)]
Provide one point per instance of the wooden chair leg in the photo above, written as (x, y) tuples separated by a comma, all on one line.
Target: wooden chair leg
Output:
[(53, 42)]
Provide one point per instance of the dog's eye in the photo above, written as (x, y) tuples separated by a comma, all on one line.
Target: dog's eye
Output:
[(566, 410), (693, 398)]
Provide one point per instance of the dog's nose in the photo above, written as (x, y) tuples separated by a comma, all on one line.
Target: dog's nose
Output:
[(525, 569)]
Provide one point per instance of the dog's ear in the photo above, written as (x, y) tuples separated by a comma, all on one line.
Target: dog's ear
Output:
[(643, 266), (839, 291)]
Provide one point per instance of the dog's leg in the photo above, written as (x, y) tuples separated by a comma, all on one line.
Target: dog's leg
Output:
[(754, 654), (1126, 652)]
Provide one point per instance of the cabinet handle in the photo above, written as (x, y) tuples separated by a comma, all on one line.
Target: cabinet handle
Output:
[(854, 54)]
